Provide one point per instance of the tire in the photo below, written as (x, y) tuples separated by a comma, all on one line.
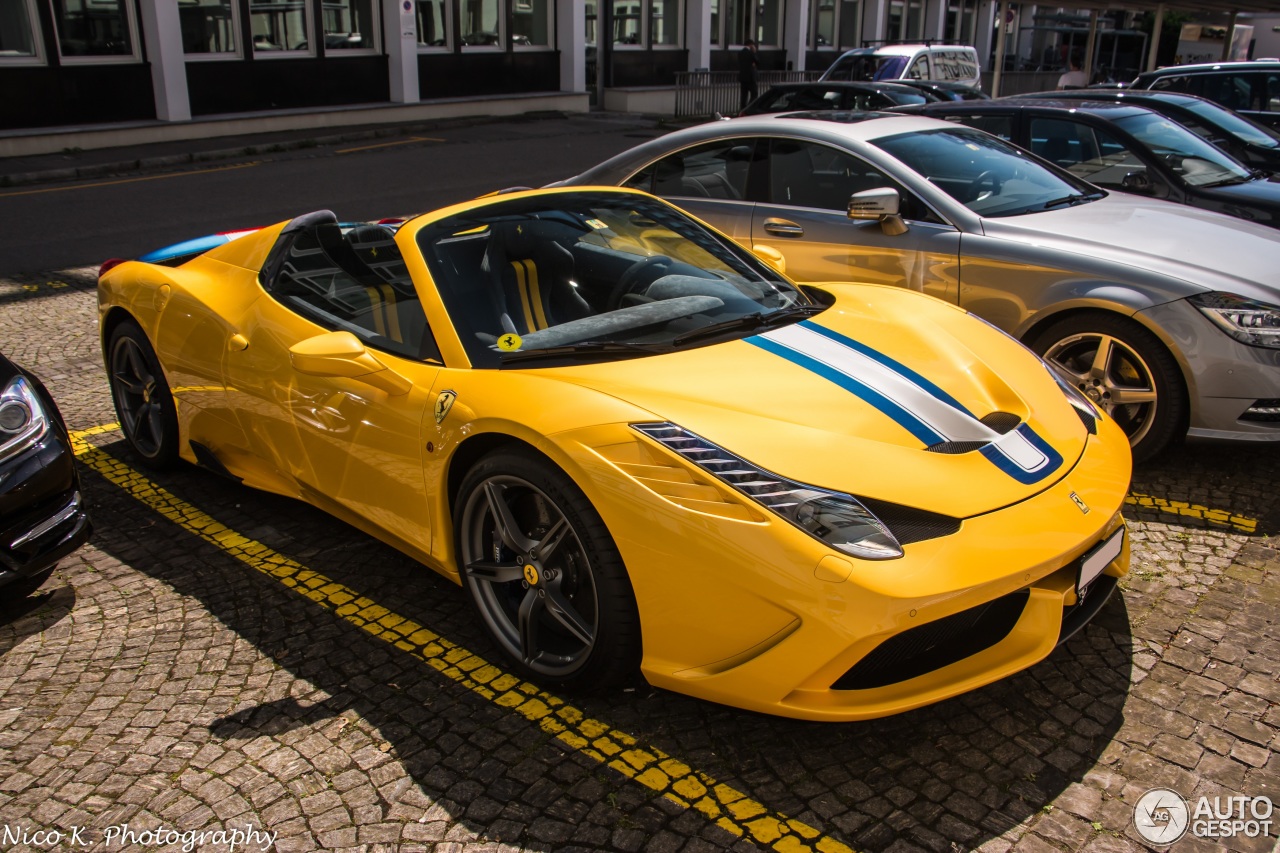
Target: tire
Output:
[(1135, 380), (143, 401), (564, 618)]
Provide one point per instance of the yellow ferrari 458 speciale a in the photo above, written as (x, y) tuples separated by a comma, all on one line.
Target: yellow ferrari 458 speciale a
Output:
[(634, 443)]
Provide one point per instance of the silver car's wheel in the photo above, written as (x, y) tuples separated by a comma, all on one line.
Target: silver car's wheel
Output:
[(543, 573), (141, 395), (1125, 371)]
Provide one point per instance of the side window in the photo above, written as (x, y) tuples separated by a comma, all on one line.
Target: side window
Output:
[(1172, 84), (715, 170), (1001, 126), (1089, 153), (919, 69), (1271, 100), (805, 174), (354, 281)]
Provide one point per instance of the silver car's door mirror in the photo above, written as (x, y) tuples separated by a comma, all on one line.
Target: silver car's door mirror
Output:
[(881, 203)]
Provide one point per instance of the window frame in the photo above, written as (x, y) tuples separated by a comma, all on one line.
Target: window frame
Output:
[(500, 43), (285, 53), (551, 28), (447, 23), (36, 32), (135, 41), (651, 5), (223, 56), (375, 25)]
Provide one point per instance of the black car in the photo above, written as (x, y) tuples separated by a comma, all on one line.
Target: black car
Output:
[(835, 95), (1250, 88), (1249, 142), (947, 90), (42, 513), (1126, 148)]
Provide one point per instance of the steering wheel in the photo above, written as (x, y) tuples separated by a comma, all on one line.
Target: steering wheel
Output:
[(633, 278), (976, 185)]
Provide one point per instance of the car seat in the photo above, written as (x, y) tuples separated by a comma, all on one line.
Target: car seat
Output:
[(531, 275)]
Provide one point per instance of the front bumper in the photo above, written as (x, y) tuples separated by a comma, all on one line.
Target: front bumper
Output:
[(752, 612), (45, 518), (1225, 377)]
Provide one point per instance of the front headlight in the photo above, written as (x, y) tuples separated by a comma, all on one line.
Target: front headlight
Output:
[(835, 518), (22, 418), (1250, 322)]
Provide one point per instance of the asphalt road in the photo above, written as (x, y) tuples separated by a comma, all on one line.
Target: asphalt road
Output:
[(83, 223)]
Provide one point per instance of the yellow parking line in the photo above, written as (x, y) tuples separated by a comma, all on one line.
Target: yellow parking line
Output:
[(386, 144), (727, 807), (131, 180), (1242, 523)]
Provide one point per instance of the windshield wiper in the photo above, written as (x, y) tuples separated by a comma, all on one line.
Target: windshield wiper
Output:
[(1235, 179), (749, 322), (1073, 200), (583, 348)]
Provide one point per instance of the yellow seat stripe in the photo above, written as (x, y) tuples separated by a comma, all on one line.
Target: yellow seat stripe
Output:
[(524, 294), (391, 314)]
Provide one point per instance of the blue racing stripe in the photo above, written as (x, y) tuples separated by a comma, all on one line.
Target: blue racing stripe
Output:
[(1007, 465), (896, 366), (921, 430)]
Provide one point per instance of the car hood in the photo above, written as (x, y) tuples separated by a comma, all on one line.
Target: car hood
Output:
[(1203, 249), (1262, 193), (849, 400)]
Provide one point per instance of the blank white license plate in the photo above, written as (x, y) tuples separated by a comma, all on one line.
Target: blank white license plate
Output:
[(1099, 558)]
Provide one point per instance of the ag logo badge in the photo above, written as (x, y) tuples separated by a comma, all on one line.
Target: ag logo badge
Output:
[(1084, 507), (509, 342), (443, 404), (1161, 816)]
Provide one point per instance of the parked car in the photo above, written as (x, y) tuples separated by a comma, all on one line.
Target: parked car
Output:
[(790, 97), (1167, 315), (42, 512), (1250, 88), (947, 90), (523, 390), (1251, 143), (953, 62), (1128, 148)]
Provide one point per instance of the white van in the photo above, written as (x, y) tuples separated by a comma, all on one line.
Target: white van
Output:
[(953, 62)]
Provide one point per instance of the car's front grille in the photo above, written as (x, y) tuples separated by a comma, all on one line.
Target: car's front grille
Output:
[(936, 644)]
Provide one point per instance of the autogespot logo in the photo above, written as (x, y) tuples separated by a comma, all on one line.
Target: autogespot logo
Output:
[(1161, 816)]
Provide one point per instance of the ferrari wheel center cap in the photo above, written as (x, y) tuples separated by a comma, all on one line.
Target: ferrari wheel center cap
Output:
[(531, 574)]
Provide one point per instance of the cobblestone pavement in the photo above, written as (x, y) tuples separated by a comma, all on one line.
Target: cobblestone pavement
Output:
[(172, 677)]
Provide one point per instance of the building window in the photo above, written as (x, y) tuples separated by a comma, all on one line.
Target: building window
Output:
[(627, 22), (834, 24), (433, 23), (349, 25), (760, 20), (715, 22), (664, 22), (279, 27), (19, 33), (531, 23), (481, 23), (209, 28), (95, 30)]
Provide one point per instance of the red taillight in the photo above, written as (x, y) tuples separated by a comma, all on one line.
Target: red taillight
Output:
[(108, 265)]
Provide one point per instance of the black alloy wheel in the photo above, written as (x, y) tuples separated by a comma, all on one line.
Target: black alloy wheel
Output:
[(142, 398), (543, 572)]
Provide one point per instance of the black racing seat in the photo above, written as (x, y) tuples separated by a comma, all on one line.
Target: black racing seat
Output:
[(532, 274)]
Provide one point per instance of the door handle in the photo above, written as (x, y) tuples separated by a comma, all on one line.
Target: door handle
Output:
[(783, 228)]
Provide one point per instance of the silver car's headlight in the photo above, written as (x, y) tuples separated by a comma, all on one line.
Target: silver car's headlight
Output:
[(835, 518), (22, 419), (1248, 321)]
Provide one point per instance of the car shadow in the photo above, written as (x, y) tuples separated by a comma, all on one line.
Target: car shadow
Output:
[(961, 771), (34, 613)]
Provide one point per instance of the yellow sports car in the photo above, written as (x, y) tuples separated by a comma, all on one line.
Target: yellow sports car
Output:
[(634, 443)]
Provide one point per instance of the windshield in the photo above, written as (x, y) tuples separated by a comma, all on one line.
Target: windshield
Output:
[(590, 276), (1236, 125), (1190, 157), (985, 174)]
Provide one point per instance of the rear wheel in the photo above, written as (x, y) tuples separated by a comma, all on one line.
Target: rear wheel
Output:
[(543, 573), (1126, 371), (144, 404)]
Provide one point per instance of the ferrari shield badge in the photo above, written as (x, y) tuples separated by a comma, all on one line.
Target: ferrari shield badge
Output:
[(444, 403), (1084, 507)]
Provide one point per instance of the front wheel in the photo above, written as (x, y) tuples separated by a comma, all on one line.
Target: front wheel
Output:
[(1126, 371), (544, 574), (142, 398)]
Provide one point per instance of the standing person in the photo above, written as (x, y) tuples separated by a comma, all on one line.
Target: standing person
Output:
[(747, 66), (1074, 78)]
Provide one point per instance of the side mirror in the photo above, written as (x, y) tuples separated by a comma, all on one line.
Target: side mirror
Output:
[(881, 203), (342, 354), (1137, 182), (770, 256)]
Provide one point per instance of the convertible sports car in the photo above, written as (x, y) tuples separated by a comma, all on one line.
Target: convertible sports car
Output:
[(635, 443)]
